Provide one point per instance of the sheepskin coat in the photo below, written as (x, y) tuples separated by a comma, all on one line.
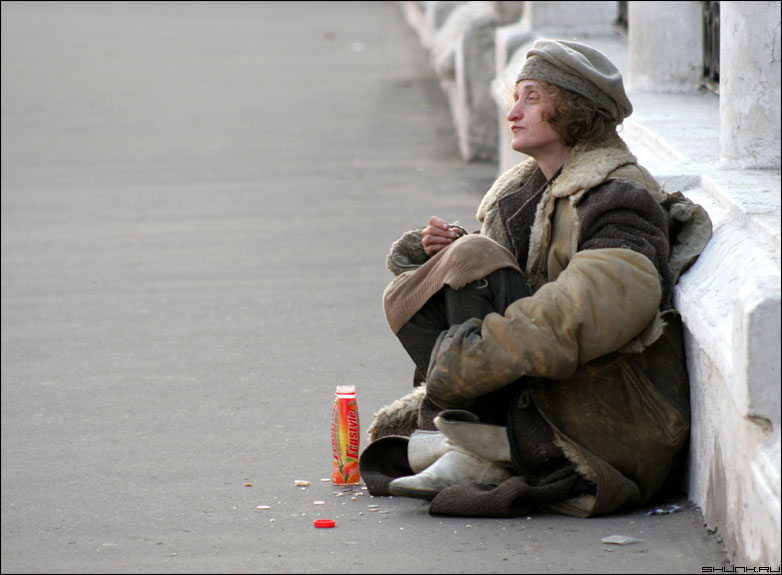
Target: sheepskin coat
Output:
[(597, 348)]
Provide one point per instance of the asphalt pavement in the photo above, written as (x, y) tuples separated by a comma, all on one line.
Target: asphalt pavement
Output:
[(197, 202)]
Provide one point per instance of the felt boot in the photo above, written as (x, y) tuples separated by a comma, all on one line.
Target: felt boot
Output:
[(462, 428), (424, 448), (456, 467)]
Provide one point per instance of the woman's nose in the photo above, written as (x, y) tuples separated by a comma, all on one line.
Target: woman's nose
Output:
[(514, 113)]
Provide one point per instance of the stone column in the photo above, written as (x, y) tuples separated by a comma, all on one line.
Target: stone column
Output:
[(666, 46), (750, 84)]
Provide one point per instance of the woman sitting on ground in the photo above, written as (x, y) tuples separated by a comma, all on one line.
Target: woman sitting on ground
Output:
[(555, 375)]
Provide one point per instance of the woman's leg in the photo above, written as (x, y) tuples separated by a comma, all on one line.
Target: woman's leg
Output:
[(449, 307)]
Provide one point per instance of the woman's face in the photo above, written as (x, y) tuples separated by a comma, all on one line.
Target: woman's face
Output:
[(532, 134)]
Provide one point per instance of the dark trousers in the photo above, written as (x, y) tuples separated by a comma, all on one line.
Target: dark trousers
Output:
[(448, 307)]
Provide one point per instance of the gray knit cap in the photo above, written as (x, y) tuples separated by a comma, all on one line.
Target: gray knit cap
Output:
[(581, 69)]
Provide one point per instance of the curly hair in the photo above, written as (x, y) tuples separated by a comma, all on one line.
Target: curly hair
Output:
[(575, 118)]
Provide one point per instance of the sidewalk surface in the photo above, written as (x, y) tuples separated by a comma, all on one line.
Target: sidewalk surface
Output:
[(197, 201)]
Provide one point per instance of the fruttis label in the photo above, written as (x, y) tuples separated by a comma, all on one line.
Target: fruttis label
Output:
[(345, 441)]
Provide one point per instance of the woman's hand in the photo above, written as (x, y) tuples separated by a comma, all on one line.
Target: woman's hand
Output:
[(438, 235)]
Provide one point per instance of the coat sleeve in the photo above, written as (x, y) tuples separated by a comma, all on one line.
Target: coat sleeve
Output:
[(406, 253), (601, 301)]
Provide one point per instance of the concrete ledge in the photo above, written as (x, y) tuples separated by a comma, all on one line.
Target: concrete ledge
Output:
[(730, 301)]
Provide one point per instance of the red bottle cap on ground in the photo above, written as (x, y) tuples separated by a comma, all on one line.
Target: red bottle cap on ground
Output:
[(324, 523)]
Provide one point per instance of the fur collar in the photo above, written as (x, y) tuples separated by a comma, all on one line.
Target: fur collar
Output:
[(587, 166)]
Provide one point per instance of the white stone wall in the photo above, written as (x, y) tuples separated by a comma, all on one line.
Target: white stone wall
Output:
[(723, 152)]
